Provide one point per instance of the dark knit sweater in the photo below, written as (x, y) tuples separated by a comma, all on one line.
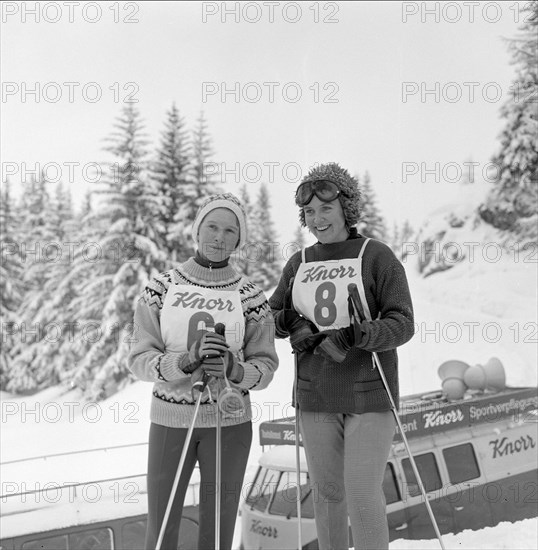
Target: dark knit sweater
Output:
[(354, 386)]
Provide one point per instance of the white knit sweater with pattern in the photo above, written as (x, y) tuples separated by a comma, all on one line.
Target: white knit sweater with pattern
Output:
[(172, 402)]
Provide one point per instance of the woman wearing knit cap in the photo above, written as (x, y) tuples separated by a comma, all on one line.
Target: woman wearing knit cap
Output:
[(176, 345), (344, 411)]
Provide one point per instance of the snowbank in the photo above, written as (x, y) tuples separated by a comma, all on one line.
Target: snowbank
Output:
[(472, 312)]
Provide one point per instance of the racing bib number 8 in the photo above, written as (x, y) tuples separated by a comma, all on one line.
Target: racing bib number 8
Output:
[(320, 291), (325, 309)]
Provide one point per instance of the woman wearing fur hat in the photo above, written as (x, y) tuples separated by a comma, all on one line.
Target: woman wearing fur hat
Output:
[(344, 411), (175, 346)]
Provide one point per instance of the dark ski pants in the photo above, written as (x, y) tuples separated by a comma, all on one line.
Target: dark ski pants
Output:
[(346, 456), (165, 446)]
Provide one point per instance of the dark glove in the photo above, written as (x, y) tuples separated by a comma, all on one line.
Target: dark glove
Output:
[(303, 333), (208, 345), (336, 344), (226, 363)]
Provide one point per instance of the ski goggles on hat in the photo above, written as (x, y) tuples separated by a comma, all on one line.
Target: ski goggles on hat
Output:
[(324, 190)]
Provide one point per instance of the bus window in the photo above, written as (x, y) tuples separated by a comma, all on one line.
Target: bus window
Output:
[(461, 463), (390, 487), (94, 539), (255, 487), (91, 539), (49, 543), (285, 501), (263, 487), (429, 473), (133, 534)]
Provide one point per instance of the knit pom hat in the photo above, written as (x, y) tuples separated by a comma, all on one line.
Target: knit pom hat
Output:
[(350, 195), (222, 200)]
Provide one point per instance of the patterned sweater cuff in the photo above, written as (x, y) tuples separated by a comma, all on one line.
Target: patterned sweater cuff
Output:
[(170, 366), (251, 376)]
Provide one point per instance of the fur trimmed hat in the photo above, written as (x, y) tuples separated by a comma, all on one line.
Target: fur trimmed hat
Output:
[(222, 200), (350, 196)]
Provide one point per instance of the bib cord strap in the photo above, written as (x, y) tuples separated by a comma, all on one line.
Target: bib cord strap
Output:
[(360, 283)]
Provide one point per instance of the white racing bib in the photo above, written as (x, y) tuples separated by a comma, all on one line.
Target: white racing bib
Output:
[(320, 290), (189, 309)]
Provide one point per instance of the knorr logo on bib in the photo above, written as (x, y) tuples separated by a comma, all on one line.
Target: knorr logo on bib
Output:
[(195, 300), (322, 273)]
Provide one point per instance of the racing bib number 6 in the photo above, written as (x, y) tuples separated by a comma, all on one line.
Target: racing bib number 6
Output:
[(195, 331)]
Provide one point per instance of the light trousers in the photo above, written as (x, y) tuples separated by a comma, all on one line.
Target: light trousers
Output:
[(346, 456)]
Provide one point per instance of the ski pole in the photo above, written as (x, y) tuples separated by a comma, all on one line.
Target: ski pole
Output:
[(203, 384), (219, 329), (217, 482), (359, 313), (297, 455)]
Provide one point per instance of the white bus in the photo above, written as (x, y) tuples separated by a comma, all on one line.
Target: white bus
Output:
[(105, 509), (477, 457)]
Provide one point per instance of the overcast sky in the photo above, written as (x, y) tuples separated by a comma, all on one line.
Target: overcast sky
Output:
[(361, 69)]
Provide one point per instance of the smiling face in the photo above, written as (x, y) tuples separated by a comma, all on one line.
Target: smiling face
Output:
[(326, 220), (218, 235)]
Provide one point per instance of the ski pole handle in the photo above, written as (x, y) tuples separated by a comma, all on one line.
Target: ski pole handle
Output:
[(201, 385), (353, 294), (220, 329)]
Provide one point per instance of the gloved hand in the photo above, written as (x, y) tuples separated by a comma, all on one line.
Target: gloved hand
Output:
[(210, 344), (336, 344), (303, 333), (226, 363)]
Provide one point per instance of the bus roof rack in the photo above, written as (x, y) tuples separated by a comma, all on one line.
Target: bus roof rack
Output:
[(430, 413)]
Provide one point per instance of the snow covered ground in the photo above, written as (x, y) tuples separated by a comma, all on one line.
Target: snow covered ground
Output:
[(506, 535), (472, 312)]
